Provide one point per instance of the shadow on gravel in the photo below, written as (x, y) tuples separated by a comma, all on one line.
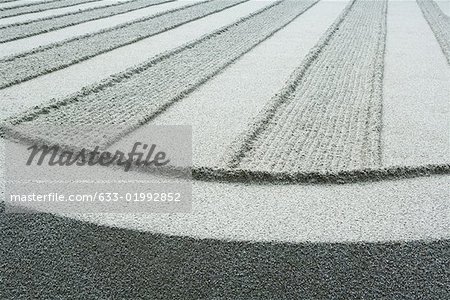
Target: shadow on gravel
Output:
[(48, 257)]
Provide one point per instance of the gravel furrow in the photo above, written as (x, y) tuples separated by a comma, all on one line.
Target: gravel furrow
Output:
[(328, 116), (38, 7), (26, 4), (46, 59), (439, 23), (26, 29), (102, 113)]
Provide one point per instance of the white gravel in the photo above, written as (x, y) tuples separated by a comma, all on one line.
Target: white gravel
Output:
[(34, 27), (328, 116), (416, 107), (398, 210), (100, 114), (32, 8), (67, 81), (27, 44), (236, 95), (444, 6), (58, 11)]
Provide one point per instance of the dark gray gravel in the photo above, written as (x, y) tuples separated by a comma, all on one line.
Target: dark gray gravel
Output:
[(48, 257)]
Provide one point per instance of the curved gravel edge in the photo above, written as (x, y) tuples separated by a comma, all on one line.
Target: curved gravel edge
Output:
[(124, 263)]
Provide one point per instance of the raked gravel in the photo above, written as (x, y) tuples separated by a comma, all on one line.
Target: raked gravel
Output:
[(42, 60), (416, 91), (68, 81), (98, 115), (328, 115), (68, 33), (37, 7), (25, 29), (54, 12), (237, 94), (439, 23)]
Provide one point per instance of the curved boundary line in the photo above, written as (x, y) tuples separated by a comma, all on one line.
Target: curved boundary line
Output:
[(341, 177), (218, 174)]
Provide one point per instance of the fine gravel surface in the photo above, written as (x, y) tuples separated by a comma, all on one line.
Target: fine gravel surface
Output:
[(21, 30), (439, 23), (54, 12), (265, 238), (416, 81), (37, 7), (68, 33), (328, 116), (48, 257), (158, 84), (67, 81), (248, 84), (444, 5), (42, 60), (389, 210)]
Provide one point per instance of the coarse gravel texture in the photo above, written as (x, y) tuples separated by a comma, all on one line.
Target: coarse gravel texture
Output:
[(439, 23), (155, 80), (21, 30), (68, 33), (51, 257), (37, 7), (444, 5), (53, 12), (388, 210), (67, 81), (249, 83), (416, 93), (255, 240), (46, 59), (328, 116)]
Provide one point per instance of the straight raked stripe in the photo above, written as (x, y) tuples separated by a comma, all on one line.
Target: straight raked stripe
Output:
[(21, 30), (328, 116), (49, 58), (439, 23), (103, 113), (34, 8)]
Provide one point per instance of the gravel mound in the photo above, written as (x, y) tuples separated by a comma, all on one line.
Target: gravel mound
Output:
[(29, 28)]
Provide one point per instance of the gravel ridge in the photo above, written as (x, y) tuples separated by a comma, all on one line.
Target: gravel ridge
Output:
[(56, 56), (38, 7), (439, 23), (155, 79), (15, 31), (328, 116)]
